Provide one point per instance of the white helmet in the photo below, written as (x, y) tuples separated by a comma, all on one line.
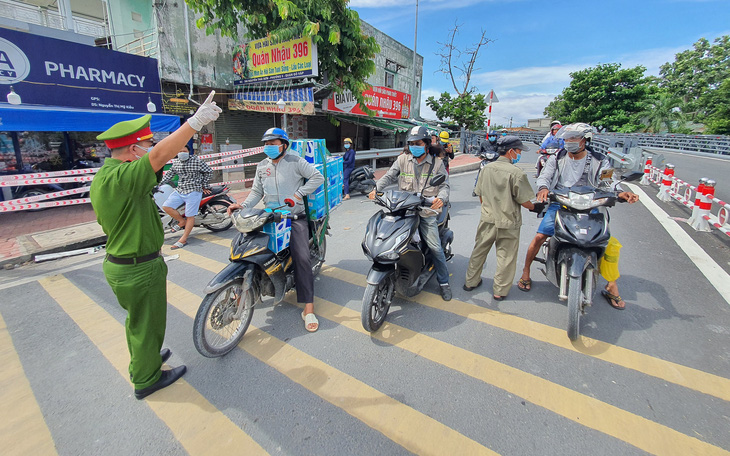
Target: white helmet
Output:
[(576, 130)]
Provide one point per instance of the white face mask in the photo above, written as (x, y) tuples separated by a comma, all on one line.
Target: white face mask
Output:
[(146, 151), (183, 156), (572, 147)]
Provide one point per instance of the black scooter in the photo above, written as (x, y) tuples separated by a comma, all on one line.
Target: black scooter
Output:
[(362, 179), (571, 255), (402, 261), (486, 157), (254, 271)]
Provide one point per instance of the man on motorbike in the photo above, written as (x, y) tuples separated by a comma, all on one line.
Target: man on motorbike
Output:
[(490, 145), (413, 171), (194, 181), (279, 177), (550, 141), (575, 165)]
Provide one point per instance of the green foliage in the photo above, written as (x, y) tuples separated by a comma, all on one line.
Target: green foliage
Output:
[(345, 54), (467, 109), (719, 122), (605, 96), (662, 112)]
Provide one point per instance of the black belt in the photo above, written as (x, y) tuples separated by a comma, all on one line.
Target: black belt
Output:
[(138, 260)]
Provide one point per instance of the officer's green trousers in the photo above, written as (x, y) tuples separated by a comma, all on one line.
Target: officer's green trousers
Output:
[(507, 242), (141, 290)]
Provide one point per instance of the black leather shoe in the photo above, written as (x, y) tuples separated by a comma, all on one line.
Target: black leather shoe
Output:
[(466, 288), (167, 378), (165, 354), (446, 292)]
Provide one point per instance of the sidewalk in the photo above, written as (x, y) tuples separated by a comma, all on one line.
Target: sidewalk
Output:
[(26, 234)]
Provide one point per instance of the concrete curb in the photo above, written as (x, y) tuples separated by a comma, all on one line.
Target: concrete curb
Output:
[(10, 263)]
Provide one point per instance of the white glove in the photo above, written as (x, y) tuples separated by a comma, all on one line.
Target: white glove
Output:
[(206, 113)]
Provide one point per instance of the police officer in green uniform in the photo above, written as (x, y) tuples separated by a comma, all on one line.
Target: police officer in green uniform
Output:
[(502, 188), (121, 194)]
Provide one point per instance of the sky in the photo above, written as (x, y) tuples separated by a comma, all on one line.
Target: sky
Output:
[(537, 44)]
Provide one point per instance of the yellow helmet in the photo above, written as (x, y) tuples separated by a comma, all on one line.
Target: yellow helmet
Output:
[(444, 135), (347, 140)]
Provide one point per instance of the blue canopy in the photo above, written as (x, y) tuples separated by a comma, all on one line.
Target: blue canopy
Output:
[(55, 118)]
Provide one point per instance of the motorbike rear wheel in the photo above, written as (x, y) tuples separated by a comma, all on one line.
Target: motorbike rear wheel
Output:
[(575, 298), (376, 303), (218, 208), (215, 331)]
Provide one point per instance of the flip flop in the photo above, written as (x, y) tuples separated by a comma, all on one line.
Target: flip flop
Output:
[(613, 300), (525, 285), (176, 228), (309, 319), (178, 245)]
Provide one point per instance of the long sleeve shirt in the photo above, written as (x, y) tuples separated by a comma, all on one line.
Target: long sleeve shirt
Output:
[(194, 175)]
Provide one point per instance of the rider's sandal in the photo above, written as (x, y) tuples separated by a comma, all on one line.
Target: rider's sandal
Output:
[(525, 285), (613, 300), (310, 319), (178, 245)]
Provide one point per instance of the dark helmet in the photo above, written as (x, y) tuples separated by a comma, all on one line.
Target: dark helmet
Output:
[(492, 133), (276, 133), (416, 133)]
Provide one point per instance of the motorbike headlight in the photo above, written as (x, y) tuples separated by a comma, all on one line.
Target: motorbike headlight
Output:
[(580, 201), (562, 199), (245, 222), (389, 255), (599, 202)]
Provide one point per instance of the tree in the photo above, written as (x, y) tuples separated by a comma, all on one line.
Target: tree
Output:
[(606, 96), (467, 108), (662, 112), (696, 74), (346, 55), (719, 123)]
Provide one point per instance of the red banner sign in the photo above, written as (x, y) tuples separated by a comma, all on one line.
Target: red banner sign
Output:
[(384, 101)]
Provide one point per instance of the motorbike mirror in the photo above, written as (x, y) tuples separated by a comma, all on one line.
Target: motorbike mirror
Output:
[(289, 202), (633, 176), (438, 180)]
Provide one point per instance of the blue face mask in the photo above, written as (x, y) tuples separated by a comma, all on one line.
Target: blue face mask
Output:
[(492, 139), (417, 151), (272, 151), (516, 159), (347, 145), (504, 134)]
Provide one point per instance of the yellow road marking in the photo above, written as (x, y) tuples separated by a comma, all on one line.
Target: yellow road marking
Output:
[(23, 429), (407, 427), (587, 411), (687, 377), (196, 423)]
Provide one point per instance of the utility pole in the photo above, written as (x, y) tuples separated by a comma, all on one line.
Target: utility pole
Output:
[(510, 122), (414, 98)]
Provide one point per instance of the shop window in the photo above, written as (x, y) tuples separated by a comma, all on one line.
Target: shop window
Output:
[(389, 79)]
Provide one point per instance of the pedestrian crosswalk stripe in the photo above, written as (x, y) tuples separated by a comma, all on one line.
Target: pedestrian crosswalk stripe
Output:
[(678, 374), (404, 425), (587, 411), (23, 429), (687, 377), (196, 423)]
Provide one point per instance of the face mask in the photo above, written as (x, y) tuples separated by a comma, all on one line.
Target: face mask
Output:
[(182, 156), (272, 151), (572, 147), (417, 151), (347, 146), (146, 151), (504, 134), (492, 139), (516, 159)]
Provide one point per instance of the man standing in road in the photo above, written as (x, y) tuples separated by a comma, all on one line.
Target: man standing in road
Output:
[(413, 172), (502, 188), (193, 183), (279, 177), (121, 195), (348, 165), (575, 165)]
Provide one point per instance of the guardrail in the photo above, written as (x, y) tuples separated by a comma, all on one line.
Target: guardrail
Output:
[(374, 154)]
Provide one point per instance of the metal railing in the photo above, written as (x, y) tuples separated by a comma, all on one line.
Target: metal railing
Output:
[(374, 154), (40, 16), (146, 46)]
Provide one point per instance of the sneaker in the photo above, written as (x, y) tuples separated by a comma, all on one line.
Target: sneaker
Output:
[(446, 292)]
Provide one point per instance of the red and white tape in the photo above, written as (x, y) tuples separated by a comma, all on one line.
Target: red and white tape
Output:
[(232, 182), (233, 166), (53, 180), (33, 199), (70, 172), (25, 207), (257, 151)]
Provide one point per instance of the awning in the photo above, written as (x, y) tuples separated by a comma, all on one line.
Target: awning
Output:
[(55, 118), (378, 123)]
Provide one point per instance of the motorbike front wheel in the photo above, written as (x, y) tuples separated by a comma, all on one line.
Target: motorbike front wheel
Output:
[(217, 211), (376, 302), (215, 330), (575, 291)]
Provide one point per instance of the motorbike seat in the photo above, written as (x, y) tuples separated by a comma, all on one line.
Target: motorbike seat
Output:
[(216, 189)]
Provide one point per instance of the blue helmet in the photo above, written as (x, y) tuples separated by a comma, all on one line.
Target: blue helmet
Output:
[(276, 133)]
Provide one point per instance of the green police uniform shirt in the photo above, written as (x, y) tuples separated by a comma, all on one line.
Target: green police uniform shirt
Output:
[(121, 194), (503, 187)]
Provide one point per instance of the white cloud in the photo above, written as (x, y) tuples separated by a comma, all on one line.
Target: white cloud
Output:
[(426, 112)]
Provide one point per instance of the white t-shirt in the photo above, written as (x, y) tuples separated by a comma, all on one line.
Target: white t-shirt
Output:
[(572, 173)]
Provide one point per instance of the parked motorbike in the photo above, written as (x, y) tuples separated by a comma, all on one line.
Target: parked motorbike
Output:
[(402, 261), (486, 157), (544, 154), (571, 255), (362, 179), (212, 213), (254, 271)]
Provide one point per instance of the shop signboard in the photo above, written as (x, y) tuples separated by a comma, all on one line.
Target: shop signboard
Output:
[(268, 60), (296, 101), (206, 143), (385, 101), (48, 71)]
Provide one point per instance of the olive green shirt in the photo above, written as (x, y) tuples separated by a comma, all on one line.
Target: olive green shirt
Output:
[(121, 194), (503, 188)]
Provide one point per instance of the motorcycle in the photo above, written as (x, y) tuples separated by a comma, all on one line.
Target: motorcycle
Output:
[(402, 261), (254, 271), (486, 157), (362, 179), (544, 154), (571, 255), (212, 213)]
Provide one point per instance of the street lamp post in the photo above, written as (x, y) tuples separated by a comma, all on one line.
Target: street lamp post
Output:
[(414, 100)]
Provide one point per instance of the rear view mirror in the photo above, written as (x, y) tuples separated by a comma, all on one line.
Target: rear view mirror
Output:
[(633, 176), (438, 180)]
